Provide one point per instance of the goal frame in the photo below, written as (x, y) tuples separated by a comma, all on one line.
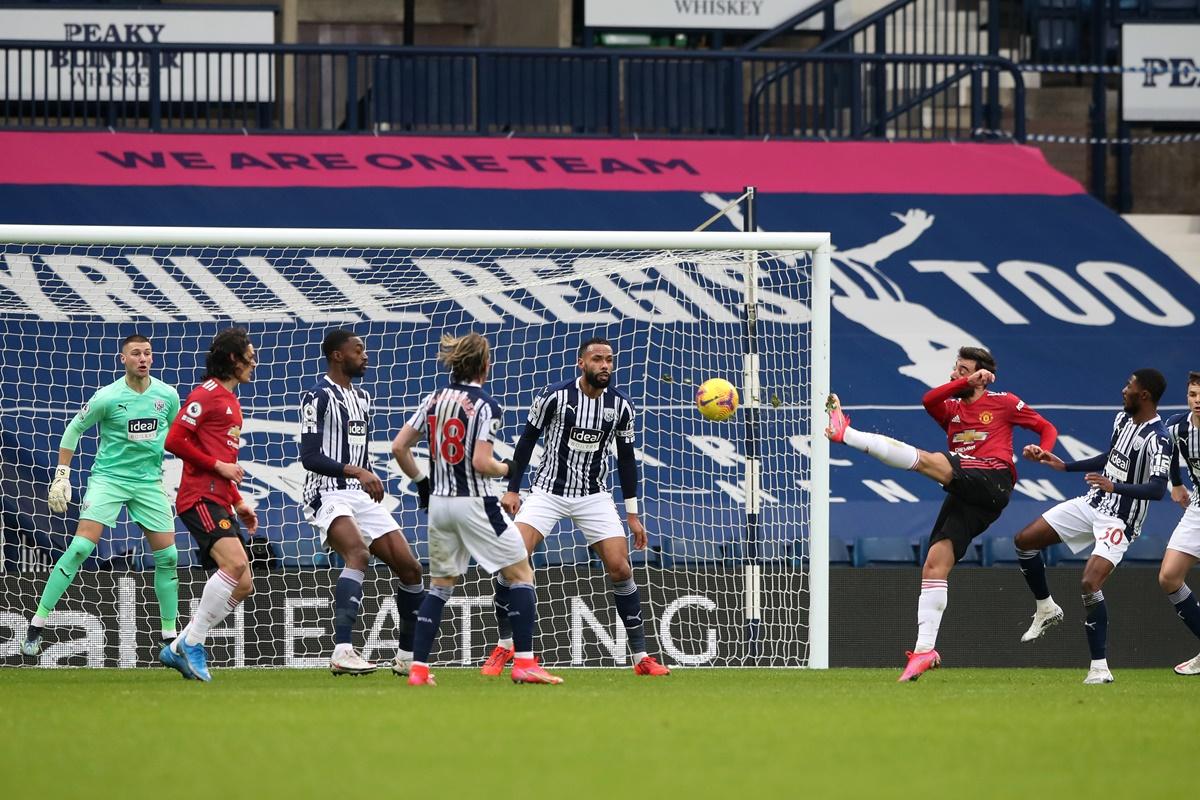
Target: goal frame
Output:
[(818, 243)]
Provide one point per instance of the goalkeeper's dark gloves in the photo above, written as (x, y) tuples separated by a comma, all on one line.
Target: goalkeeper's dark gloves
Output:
[(423, 491)]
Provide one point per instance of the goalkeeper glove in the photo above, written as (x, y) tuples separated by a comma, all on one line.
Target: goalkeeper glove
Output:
[(423, 491), (60, 490)]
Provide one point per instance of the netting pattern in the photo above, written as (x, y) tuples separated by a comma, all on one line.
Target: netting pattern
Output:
[(719, 588)]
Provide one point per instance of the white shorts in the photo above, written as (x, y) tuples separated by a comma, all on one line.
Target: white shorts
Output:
[(1079, 525), (373, 519), (462, 528), (1186, 538), (595, 515)]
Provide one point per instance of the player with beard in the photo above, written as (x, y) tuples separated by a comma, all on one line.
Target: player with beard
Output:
[(342, 498), (583, 419), (1123, 482), (977, 473)]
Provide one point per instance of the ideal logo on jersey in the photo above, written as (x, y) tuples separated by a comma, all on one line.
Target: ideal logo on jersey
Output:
[(142, 429), (1118, 466), (356, 432), (585, 440)]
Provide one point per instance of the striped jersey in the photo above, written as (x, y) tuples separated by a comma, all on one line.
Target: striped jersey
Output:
[(454, 418), (1138, 453), (580, 434), (1186, 438), (334, 423)]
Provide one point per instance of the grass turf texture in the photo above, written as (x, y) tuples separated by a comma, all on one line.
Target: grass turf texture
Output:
[(604, 733)]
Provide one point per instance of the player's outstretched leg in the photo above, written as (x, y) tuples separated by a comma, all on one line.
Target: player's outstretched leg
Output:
[(61, 577), (392, 548), (216, 601), (347, 599), (890, 451), (1029, 543), (503, 652), (166, 588), (1095, 624), (429, 620)]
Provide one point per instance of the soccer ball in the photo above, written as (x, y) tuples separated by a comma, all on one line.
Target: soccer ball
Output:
[(717, 399)]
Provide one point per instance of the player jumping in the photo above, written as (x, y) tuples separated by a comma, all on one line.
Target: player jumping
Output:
[(465, 520), (1110, 515), (583, 418), (133, 415), (977, 474), (342, 500), (206, 435)]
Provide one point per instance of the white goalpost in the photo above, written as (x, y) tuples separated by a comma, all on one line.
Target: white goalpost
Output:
[(737, 511)]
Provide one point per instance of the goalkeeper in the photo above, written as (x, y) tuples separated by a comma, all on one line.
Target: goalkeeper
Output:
[(133, 414)]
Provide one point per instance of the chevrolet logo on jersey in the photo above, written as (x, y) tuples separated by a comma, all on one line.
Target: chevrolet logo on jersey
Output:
[(967, 437)]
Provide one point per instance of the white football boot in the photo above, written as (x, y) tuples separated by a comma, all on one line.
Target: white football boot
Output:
[(349, 662), (1043, 621)]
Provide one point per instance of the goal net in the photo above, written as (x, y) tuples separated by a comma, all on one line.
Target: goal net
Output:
[(736, 511)]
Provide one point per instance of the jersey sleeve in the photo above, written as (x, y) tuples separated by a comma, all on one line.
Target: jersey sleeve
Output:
[(626, 429), (1025, 417), (181, 435), (314, 405), (1159, 451), (489, 422), (935, 401), (543, 409), (419, 421), (88, 415)]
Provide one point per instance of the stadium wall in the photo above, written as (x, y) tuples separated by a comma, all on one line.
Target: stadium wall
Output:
[(936, 245)]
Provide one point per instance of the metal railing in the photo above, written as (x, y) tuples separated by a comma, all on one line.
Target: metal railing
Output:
[(351, 89)]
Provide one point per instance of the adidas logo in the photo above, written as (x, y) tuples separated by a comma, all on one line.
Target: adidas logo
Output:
[(228, 410), (956, 419)]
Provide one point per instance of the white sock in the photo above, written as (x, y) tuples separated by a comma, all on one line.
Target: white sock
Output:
[(637, 657), (404, 655), (214, 607), (522, 656), (38, 621), (1099, 663), (1044, 606), (181, 637), (888, 450), (507, 644), (930, 607), (342, 649)]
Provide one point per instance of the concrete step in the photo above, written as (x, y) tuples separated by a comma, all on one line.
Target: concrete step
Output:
[(1177, 235)]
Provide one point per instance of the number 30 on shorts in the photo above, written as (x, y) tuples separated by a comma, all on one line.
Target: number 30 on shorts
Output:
[(449, 443), (1113, 536)]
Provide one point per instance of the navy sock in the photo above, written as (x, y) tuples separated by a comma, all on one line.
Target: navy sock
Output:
[(522, 615), (629, 606), (408, 600), (1096, 624), (347, 598), (429, 619), (500, 602), (1034, 570), (1187, 608)]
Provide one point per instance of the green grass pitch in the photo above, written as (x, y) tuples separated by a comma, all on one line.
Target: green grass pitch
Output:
[(604, 733)]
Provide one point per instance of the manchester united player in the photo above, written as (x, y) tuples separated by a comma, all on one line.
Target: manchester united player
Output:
[(977, 474), (205, 435)]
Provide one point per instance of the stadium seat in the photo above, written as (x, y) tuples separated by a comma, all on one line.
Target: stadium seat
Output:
[(1147, 549), (1000, 550), (839, 553), (304, 551), (766, 552), (971, 557), (883, 550), (647, 557), (1064, 556), (686, 552), (562, 552)]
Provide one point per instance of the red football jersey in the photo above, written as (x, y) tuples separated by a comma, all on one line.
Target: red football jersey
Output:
[(206, 431), (982, 432)]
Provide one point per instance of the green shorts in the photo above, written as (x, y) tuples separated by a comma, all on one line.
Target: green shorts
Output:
[(146, 500)]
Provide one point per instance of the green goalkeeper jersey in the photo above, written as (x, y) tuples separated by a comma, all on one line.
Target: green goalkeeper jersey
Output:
[(133, 428)]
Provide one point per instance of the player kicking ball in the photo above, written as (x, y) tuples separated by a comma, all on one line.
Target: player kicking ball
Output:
[(1183, 550), (133, 415), (584, 419), (342, 497), (977, 473), (205, 436), (1123, 481), (465, 520)]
